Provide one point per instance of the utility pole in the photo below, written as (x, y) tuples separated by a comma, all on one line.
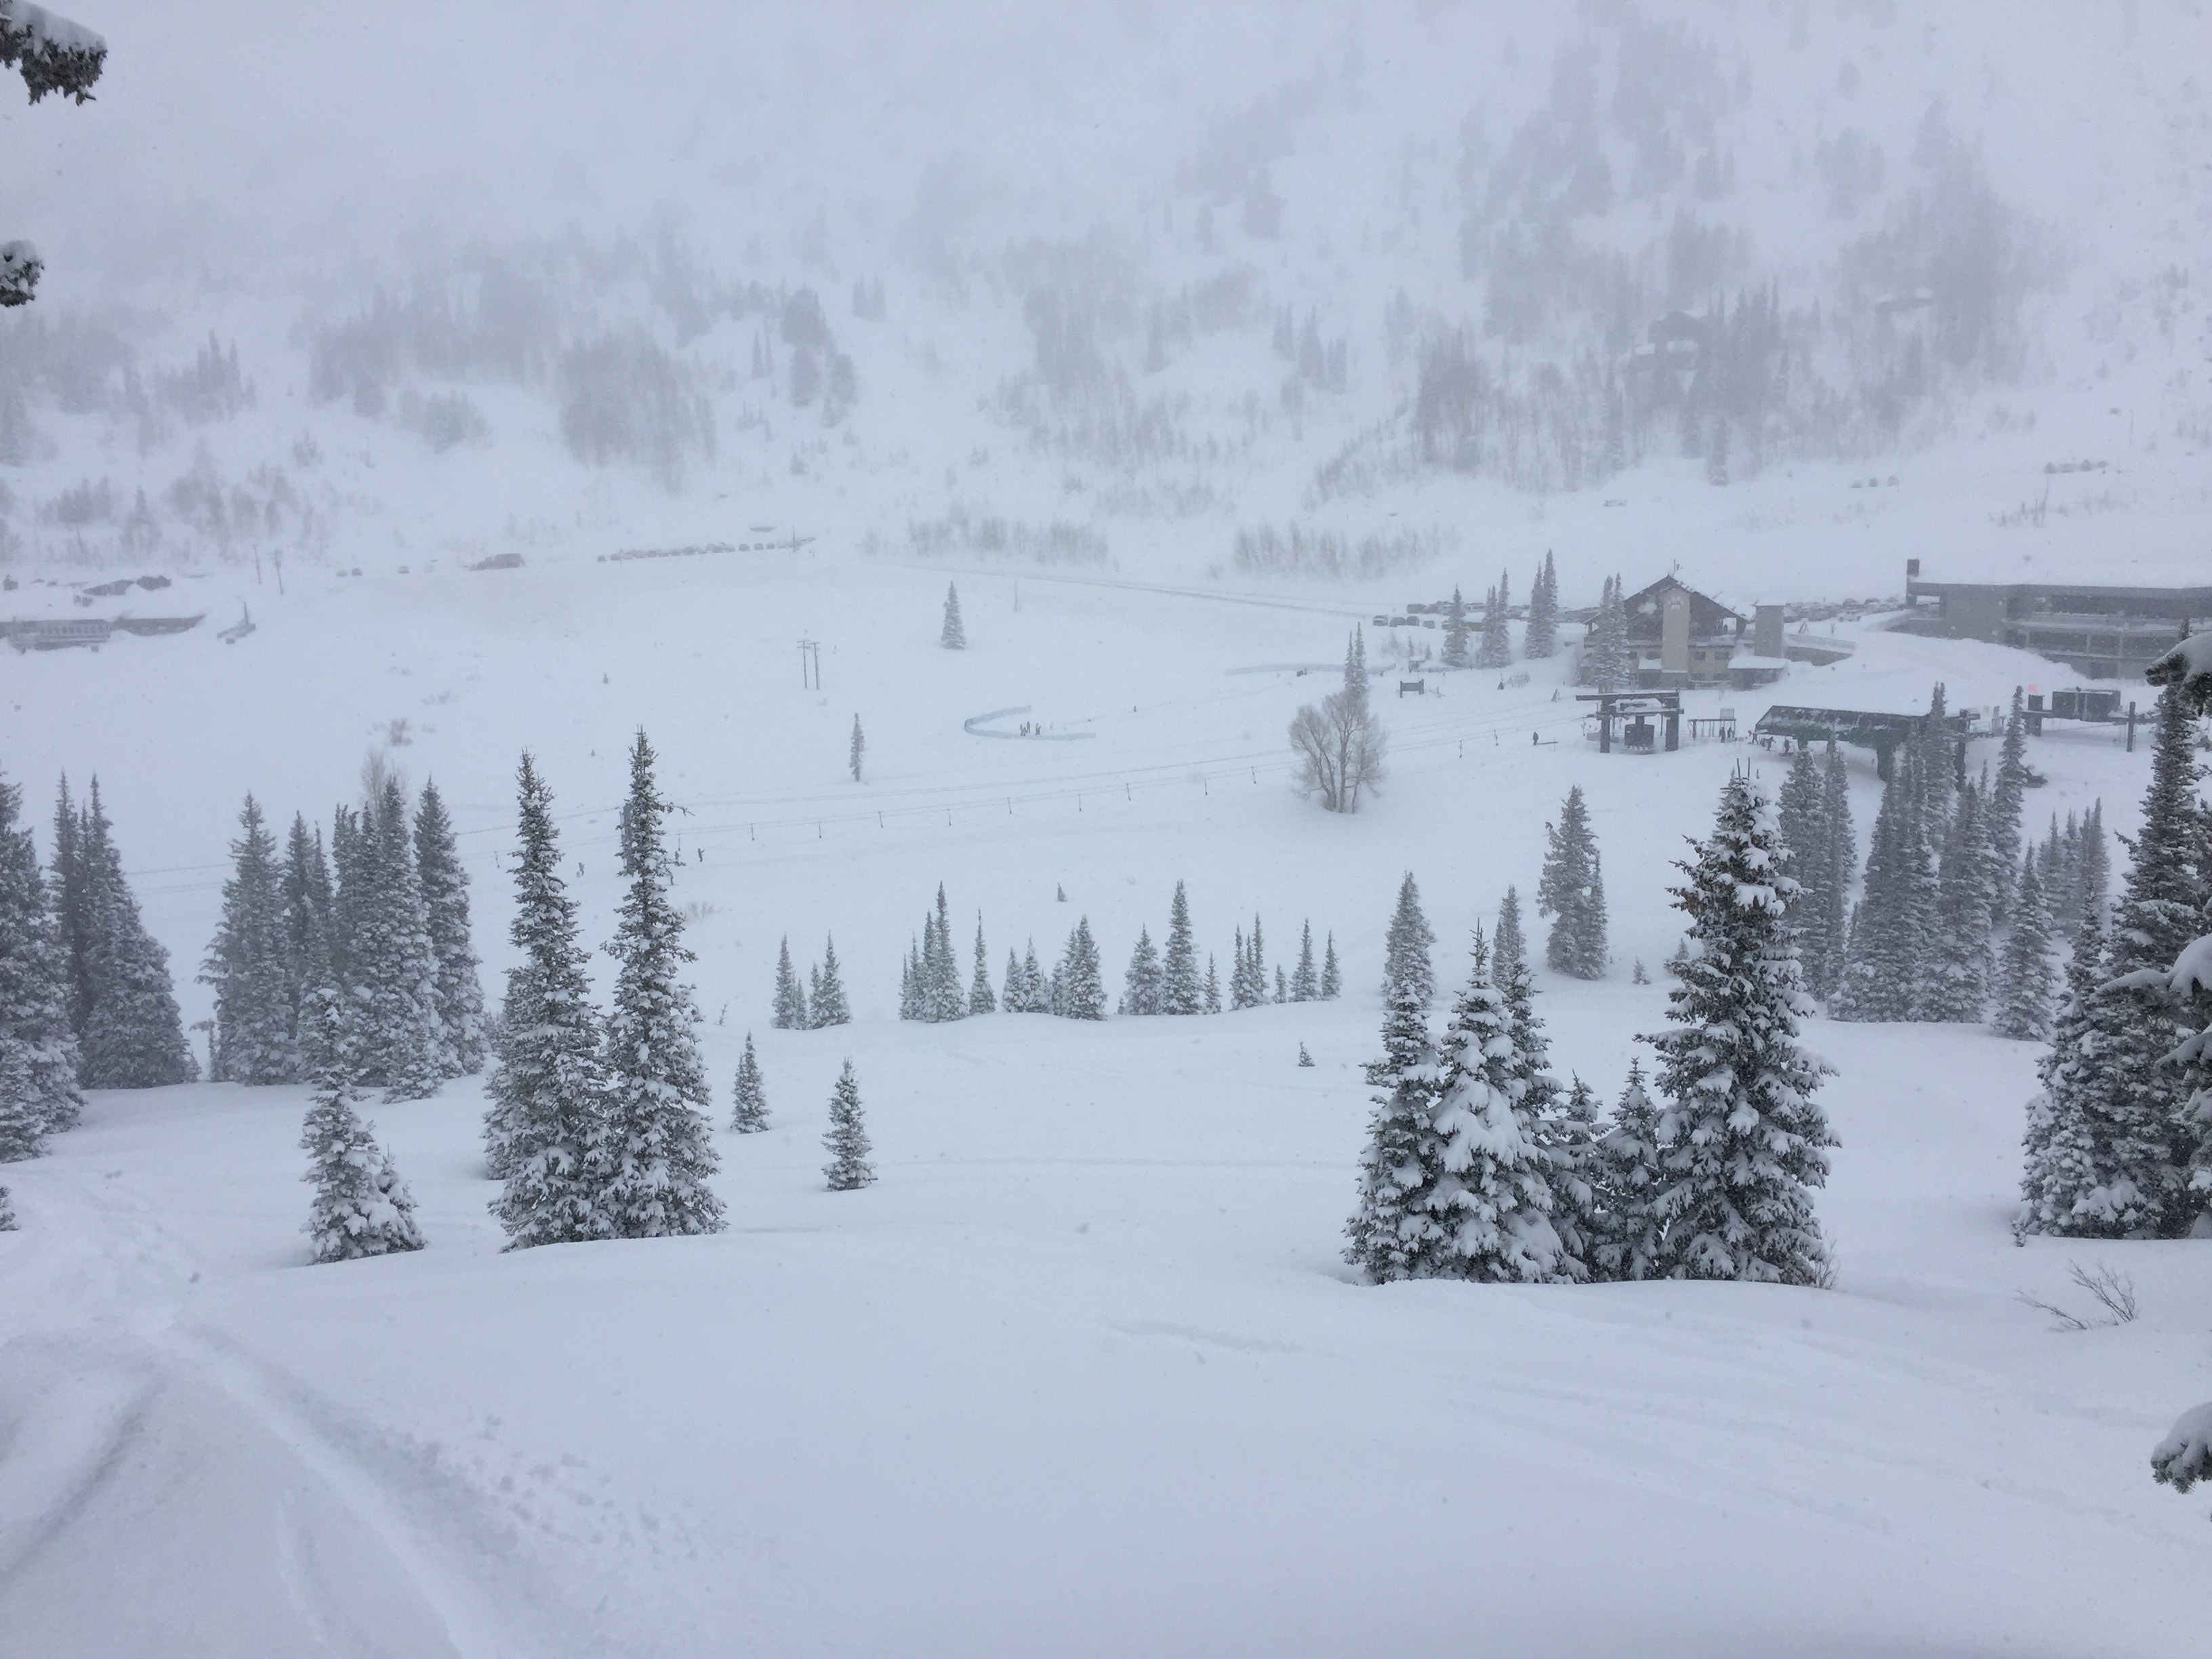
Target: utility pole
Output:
[(810, 664)]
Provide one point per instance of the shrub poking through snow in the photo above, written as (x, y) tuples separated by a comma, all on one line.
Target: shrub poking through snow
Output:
[(847, 1141), (361, 1207)]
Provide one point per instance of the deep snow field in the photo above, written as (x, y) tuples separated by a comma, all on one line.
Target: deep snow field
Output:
[(1083, 1373)]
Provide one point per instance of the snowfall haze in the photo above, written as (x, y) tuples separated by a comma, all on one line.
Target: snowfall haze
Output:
[(986, 522)]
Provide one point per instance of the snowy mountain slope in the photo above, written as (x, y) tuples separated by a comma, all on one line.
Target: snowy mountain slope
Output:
[(1104, 240), (1083, 1372)]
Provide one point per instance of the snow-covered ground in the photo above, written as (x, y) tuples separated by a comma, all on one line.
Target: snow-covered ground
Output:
[(1083, 1373)]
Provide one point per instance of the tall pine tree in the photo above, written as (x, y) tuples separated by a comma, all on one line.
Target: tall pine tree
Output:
[(1406, 947), (1572, 891), (659, 1147), (829, 1006), (545, 1124), (1082, 990), (1394, 1233), (2023, 983), (457, 999), (2099, 1147), (846, 1141), (1141, 985), (246, 964), (789, 1012), (35, 1039), (1493, 1194), (1751, 1144), (1542, 637), (1630, 1176), (394, 972), (748, 1113), (1181, 992), (133, 1037)]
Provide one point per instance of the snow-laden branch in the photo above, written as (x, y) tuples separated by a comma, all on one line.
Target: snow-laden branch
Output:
[(2185, 1456), (20, 266), (54, 54), (2189, 665)]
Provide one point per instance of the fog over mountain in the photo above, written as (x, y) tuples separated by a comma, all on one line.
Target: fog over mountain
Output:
[(1090, 281)]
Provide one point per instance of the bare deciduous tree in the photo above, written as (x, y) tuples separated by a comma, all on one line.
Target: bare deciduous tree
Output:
[(1340, 745)]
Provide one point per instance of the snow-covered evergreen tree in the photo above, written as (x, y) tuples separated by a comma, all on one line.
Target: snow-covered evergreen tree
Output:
[(1798, 810), (2093, 867), (1241, 992), (361, 1207), (2022, 993), (1892, 943), (1213, 987), (1839, 868), (2160, 911), (1305, 980), (246, 964), (1035, 1001), (1605, 661), (7, 1212), (1394, 1233), (954, 636), (1572, 891), (659, 1147), (1181, 992), (1014, 990), (1141, 985), (545, 1127), (23, 1122), (305, 881), (910, 982), (789, 1012), (1631, 1240), (1568, 1135), (457, 993), (2099, 1147), (1750, 1146), (1332, 977), (1509, 947), (943, 998), (1455, 651), (394, 971), (34, 989), (1959, 967), (827, 1005), (847, 1141), (1081, 986), (1406, 947), (133, 1035), (980, 998), (1496, 650), (71, 900), (1494, 1196), (1282, 985), (857, 748), (749, 1100), (2007, 800), (1540, 639)]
